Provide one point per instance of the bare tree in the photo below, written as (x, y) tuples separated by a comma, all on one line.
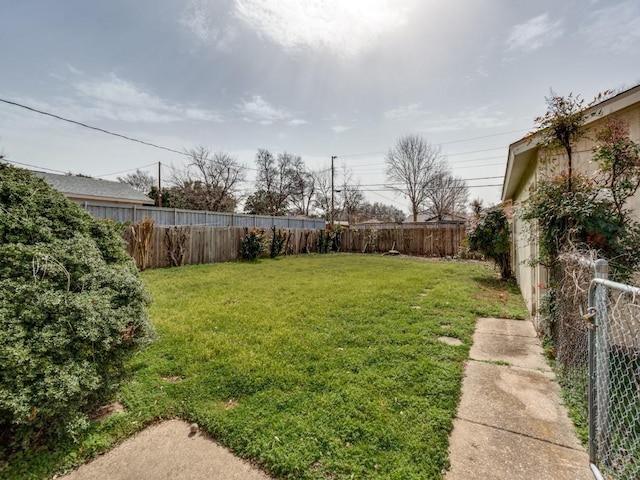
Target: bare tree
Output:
[(302, 194), (415, 164), (382, 212), (322, 193), (209, 182), (276, 182), (446, 196), (350, 196), (140, 180)]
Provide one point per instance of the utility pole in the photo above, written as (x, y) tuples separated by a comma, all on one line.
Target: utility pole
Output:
[(159, 185), (333, 157)]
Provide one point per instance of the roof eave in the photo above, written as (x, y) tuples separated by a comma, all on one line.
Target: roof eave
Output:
[(520, 153)]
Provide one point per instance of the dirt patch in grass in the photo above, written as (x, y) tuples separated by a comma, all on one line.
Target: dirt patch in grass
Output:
[(106, 411)]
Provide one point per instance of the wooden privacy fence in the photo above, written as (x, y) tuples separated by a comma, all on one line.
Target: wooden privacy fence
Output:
[(205, 244), (443, 241)]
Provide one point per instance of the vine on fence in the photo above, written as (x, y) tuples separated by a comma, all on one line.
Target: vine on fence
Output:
[(324, 240), (278, 239), (141, 234), (175, 239), (372, 240)]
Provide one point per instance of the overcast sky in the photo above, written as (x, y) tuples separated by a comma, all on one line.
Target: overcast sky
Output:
[(312, 77)]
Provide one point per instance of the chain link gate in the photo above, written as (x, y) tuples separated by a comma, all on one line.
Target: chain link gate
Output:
[(614, 377)]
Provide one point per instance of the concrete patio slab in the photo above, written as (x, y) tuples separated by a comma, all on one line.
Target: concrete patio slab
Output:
[(168, 451)]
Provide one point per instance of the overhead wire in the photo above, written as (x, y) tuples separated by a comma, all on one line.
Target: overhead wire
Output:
[(14, 162), (125, 171), (91, 127)]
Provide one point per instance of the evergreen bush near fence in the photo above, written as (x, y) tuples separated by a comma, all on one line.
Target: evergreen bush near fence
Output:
[(252, 244), (72, 311)]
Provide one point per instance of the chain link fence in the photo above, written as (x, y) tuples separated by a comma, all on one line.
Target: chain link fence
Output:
[(594, 329), (614, 422)]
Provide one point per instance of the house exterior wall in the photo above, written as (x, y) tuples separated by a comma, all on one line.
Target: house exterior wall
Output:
[(532, 280), (525, 246)]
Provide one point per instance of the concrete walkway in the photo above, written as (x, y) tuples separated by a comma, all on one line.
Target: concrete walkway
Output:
[(510, 422)]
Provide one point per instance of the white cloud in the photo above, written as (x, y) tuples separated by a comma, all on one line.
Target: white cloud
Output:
[(341, 128), (614, 28), (74, 70), (481, 117), (201, 22), (343, 26), (406, 112), (540, 31), (118, 99), (296, 122), (257, 109)]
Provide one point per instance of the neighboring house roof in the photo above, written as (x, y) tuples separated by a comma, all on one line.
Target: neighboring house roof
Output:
[(524, 150), (94, 190)]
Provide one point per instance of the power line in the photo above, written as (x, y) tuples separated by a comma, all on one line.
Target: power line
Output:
[(98, 129), (391, 189), (485, 136), (475, 151), (125, 171), (402, 184), (454, 166), (13, 162), (478, 166), (445, 143), (383, 196)]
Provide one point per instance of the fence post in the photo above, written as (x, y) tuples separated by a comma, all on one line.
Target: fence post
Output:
[(601, 363)]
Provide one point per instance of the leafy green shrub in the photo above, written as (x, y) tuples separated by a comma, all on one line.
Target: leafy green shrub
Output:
[(252, 244), (72, 311), (491, 237), (585, 216)]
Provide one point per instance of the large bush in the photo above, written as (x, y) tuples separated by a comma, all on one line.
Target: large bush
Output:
[(490, 236), (72, 310)]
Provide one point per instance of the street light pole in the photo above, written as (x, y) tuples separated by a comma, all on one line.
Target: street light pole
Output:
[(333, 157), (159, 185)]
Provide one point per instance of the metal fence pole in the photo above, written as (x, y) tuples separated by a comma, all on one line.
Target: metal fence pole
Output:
[(591, 355), (602, 361), (596, 318)]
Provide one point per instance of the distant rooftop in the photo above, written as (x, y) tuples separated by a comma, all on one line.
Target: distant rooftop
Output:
[(94, 190)]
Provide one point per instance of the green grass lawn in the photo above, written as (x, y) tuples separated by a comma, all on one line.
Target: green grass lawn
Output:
[(314, 367)]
